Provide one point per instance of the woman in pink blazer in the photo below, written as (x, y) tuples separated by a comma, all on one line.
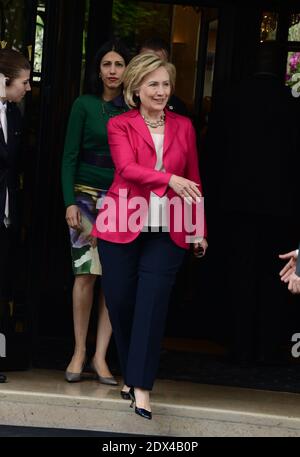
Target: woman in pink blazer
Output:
[(149, 217)]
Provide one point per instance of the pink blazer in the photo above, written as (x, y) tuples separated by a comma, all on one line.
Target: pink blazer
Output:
[(134, 156)]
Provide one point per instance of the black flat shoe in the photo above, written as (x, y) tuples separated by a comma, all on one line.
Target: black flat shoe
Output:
[(2, 377), (139, 411)]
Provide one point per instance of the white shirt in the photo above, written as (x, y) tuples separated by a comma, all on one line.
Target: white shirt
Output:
[(157, 216), (3, 126)]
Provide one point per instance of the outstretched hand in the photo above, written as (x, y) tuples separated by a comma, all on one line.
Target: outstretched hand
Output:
[(290, 266), (288, 273), (294, 284)]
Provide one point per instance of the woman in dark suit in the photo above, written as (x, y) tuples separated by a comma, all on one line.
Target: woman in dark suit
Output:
[(156, 162), (14, 83)]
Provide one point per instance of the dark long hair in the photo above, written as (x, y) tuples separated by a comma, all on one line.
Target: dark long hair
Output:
[(12, 63), (95, 84)]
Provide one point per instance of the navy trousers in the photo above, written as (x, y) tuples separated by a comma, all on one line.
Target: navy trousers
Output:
[(137, 282)]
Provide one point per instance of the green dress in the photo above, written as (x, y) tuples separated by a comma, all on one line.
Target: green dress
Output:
[(87, 172)]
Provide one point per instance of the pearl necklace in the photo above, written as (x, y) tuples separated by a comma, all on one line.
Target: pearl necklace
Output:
[(154, 124)]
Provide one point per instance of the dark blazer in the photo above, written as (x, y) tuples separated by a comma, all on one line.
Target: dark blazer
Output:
[(176, 105), (9, 162)]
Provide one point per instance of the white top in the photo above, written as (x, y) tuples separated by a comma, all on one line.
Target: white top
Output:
[(157, 205), (3, 120), (3, 125)]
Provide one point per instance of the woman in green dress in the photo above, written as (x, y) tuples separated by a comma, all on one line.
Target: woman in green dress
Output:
[(87, 173)]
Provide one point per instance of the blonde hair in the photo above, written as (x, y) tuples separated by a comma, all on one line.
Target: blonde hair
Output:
[(138, 68)]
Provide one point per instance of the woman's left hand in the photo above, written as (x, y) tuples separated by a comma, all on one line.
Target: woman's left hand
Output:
[(199, 248)]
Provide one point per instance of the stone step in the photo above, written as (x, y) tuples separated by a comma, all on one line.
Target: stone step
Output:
[(41, 398)]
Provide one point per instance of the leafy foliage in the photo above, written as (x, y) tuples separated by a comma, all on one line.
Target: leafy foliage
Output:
[(134, 20)]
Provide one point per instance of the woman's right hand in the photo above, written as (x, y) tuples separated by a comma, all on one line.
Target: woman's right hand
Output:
[(73, 217), (184, 187)]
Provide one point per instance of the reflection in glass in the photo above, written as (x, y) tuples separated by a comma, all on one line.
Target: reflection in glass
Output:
[(293, 71), (84, 43), (12, 23), (210, 58), (177, 25), (294, 29), (208, 78), (268, 27), (184, 51), (39, 39), (134, 21)]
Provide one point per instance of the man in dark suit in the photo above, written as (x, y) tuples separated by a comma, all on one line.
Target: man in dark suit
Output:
[(253, 143), (14, 83), (9, 185), (161, 49)]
